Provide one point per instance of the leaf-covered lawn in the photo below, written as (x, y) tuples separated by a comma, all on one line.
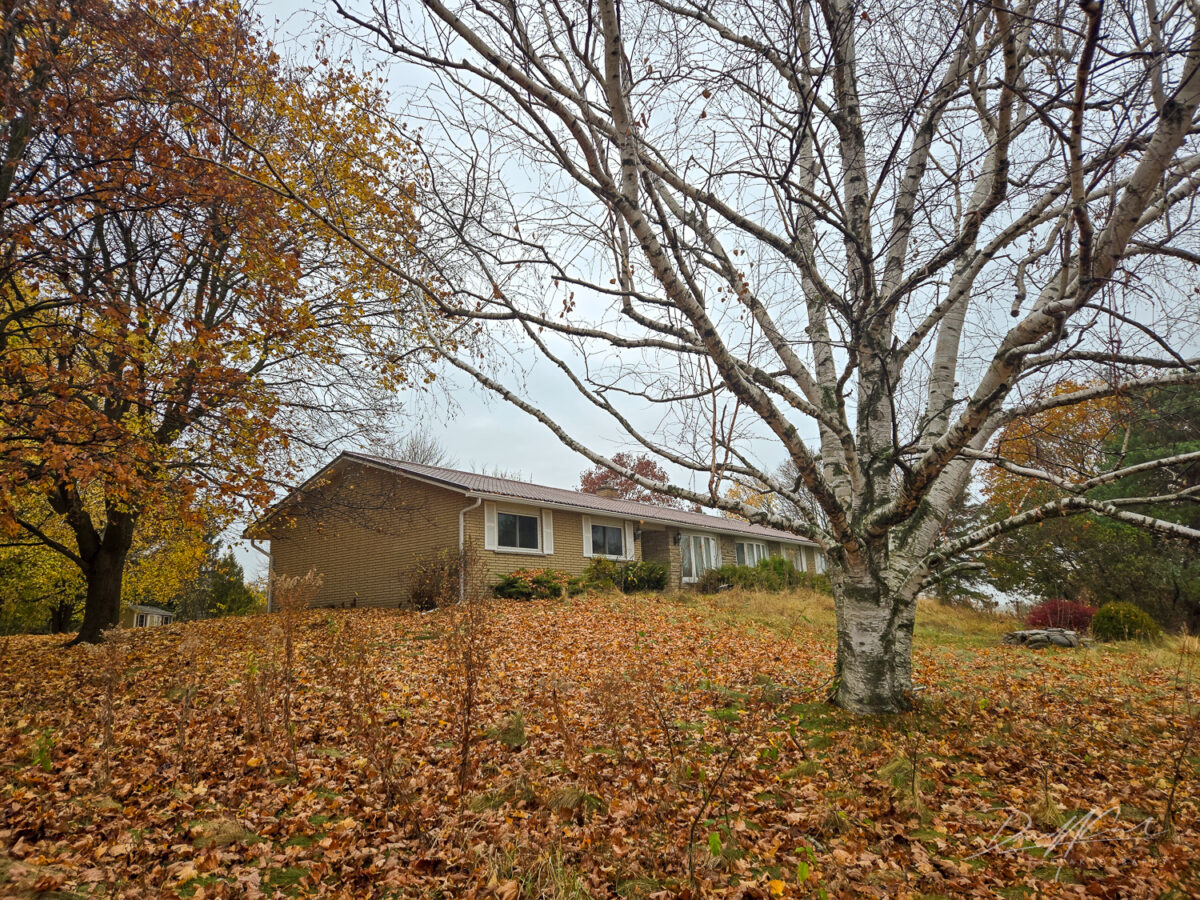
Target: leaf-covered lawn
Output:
[(622, 747)]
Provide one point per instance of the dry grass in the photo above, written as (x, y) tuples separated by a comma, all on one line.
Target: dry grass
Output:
[(803, 612)]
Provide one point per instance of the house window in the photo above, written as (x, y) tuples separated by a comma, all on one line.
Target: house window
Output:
[(697, 554), (141, 621), (608, 540), (516, 532), (750, 553)]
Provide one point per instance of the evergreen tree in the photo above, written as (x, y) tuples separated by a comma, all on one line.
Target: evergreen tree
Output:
[(1099, 559)]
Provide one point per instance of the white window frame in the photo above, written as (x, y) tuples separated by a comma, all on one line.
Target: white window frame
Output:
[(759, 554), (712, 541), (627, 540), (140, 620), (491, 529)]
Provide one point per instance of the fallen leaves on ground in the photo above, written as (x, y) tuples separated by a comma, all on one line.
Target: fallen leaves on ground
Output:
[(621, 747)]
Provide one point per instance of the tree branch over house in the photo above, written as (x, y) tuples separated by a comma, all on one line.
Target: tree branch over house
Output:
[(859, 236)]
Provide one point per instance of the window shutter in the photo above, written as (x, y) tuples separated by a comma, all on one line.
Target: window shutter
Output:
[(629, 540), (587, 535), (489, 526), (547, 531)]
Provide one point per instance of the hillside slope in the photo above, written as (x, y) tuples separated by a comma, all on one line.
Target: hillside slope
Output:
[(618, 747)]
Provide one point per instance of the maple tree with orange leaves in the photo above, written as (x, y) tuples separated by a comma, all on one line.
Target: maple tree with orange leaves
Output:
[(1070, 442), (174, 331)]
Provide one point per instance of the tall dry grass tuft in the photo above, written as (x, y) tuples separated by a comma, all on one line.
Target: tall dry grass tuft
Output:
[(372, 722), (189, 661), (465, 618), (291, 595), (110, 656), (1188, 731), (257, 692)]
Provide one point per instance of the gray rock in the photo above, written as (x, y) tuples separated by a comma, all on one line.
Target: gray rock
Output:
[(1038, 638)]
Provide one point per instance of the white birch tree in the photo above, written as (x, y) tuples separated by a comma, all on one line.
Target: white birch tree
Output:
[(872, 232)]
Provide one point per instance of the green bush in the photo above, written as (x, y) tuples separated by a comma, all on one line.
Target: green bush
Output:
[(643, 575), (549, 584), (714, 580), (531, 584), (778, 574), (771, 574), (602, 574), (1124, 622), (512, 587), (818, 582), (631, 577), (746, 577)]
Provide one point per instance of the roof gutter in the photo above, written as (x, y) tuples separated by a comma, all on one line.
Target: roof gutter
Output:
[(462, 546)]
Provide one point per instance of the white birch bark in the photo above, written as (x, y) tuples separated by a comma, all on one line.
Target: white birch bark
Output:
[(872, 235)]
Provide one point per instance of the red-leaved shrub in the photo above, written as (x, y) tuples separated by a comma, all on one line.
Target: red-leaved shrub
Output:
[(1060, 613)]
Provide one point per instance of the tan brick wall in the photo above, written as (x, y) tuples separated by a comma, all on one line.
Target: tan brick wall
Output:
[(656, 545), (568, 543), (363, 532), (675, 579), (728, 549)]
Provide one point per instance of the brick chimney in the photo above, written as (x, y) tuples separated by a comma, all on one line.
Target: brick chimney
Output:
[(608, 491)]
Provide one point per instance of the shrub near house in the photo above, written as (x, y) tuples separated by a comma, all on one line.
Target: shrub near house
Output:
[(532, 584), (772, 574), (603, 574)]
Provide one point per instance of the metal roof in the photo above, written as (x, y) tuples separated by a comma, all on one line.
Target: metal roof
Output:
[(491, 486)]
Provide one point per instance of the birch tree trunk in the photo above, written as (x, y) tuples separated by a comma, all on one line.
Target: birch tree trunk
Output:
[(858, 238)]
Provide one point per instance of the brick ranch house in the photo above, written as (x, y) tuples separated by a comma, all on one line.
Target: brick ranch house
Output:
[(364, 521)]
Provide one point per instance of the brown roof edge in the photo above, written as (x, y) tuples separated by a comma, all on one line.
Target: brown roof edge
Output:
[(474, 483), (254, 531), (488, 485)]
